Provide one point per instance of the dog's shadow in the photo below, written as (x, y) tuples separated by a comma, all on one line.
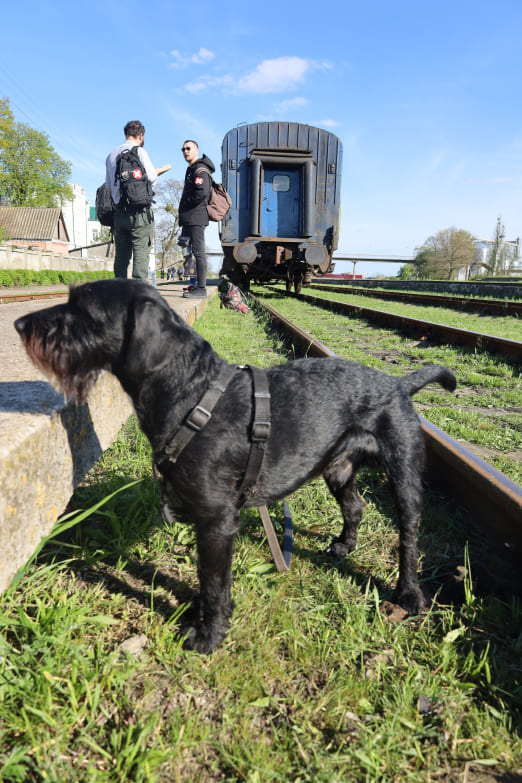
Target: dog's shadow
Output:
[(39, 399), (115, 533), (34, 397)]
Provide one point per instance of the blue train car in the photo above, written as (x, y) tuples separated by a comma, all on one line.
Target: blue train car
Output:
[(284, 180)]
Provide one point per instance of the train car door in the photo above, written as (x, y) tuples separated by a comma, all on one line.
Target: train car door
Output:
[(281, 213)]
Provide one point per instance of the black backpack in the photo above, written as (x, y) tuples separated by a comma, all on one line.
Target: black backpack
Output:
[(135, 188), (105, 206)]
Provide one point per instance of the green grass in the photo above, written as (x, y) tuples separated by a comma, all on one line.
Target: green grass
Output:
[(507, 326), (313, 683)]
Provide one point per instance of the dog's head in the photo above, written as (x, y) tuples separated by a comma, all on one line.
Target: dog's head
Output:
[(116, 325)]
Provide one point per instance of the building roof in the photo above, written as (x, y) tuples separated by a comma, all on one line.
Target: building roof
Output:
[(36, 223)]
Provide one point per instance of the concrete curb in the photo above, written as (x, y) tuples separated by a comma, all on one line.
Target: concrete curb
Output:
[(47, 445)]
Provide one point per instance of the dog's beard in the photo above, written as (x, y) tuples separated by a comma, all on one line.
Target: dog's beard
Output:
[(65, 375)]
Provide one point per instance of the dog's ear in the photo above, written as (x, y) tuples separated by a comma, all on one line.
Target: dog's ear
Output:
[(150, 327)]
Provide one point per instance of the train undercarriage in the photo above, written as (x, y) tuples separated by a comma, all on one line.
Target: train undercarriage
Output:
[(269, 262)]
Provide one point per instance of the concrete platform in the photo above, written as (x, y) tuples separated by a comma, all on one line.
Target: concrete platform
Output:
[(46, 444)]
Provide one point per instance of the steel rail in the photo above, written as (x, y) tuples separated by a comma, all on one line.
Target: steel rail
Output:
[(511, 349), (492, 498), (31, 296), (493, 306)]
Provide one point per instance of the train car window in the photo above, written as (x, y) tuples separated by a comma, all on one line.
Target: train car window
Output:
[(281, 183)]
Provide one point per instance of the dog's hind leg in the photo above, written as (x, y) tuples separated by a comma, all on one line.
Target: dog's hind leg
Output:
[(405, 477), (215, 544), (340, 479)]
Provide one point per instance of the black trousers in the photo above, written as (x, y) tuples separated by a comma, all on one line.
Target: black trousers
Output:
[(197, 243)]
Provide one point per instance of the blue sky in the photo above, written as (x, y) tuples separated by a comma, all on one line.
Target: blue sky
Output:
[(424, 96)]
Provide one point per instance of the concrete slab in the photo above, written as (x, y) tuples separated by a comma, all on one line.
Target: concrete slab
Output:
[(47, 445)]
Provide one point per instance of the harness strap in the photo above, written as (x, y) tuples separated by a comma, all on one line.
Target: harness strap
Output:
[(200, 415), (260, 431)]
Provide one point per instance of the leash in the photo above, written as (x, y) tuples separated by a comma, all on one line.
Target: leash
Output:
[(199, 417), (282, 559)]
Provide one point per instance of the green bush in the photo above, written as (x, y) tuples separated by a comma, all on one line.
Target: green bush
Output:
[(11, 278)]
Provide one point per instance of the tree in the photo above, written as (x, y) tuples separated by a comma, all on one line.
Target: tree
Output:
[(444, 253), (166, 221), (407, 272), (32, 174), (502, 255)]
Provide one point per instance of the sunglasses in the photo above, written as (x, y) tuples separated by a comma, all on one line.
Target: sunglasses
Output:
[(186, 149)]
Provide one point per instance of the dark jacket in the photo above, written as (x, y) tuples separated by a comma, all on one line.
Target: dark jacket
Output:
[(196, 193)]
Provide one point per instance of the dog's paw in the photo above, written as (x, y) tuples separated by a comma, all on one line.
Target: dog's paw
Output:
[(339, 549), (201, 640), (412, 600)]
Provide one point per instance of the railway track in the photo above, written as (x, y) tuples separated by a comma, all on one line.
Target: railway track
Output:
[(436, 332), (470, 304), (493, 499), (30, 296)]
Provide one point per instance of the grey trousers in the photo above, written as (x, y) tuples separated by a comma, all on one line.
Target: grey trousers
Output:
[(197, 243), (132, 239)]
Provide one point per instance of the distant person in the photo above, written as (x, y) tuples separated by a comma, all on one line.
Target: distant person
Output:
[(133, 217), (193, 215)]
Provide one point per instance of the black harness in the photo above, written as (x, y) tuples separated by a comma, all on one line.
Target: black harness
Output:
[(199, 417)]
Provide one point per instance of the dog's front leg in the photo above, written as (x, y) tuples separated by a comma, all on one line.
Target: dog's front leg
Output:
[(215, 549)]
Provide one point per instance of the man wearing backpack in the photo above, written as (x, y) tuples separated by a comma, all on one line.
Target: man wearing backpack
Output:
[(130, 176), (193, 215)]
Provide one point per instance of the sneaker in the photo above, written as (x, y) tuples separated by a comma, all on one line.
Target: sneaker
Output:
[(189, 287), (196, 293)]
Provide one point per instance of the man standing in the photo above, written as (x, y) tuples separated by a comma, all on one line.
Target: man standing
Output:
[(133, 222), (193, 215)]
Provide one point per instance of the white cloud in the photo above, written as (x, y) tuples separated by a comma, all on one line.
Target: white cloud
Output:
[(206, 82), (199, 58), (327, 123), (288, 106), (277, 75), (488, 180)]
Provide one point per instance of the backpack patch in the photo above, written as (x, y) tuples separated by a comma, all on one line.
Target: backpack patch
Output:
[(135, 188), (232, 297), (105, 206)]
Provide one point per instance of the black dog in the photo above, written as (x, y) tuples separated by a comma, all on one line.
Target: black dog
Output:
[(329, 417)]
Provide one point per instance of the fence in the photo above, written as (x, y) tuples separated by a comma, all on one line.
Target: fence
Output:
[(36, 259)]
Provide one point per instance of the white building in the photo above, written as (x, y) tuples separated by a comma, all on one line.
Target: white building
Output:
[(80, 219)]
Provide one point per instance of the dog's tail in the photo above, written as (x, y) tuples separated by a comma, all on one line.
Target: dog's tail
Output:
[(435, 373)]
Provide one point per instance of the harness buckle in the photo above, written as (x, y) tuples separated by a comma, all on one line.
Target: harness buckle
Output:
[(260, 431), (198, 418)]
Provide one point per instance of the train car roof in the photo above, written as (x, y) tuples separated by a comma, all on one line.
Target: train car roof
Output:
[(283, 135)]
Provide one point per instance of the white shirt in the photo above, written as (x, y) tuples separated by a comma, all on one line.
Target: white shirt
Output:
[(110, 167)]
